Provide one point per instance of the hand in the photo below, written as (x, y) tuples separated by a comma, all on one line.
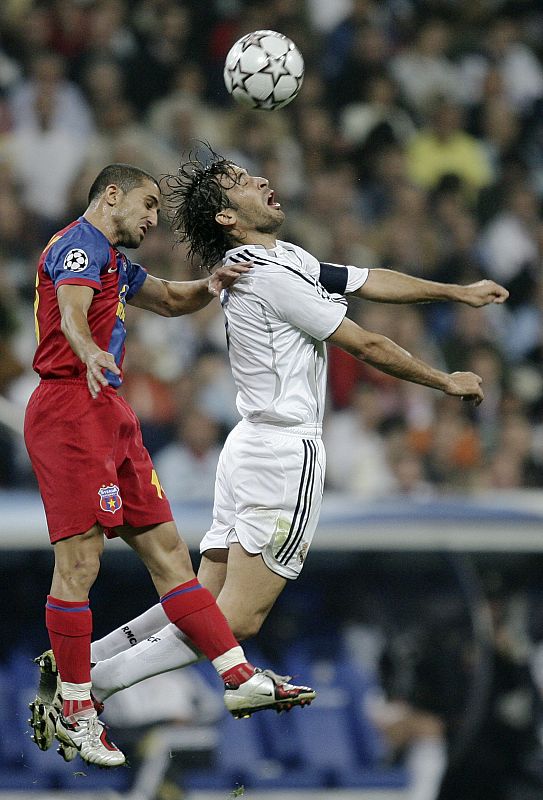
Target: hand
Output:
[(96, 362), (466, 385), (484, 292), (226, 276)]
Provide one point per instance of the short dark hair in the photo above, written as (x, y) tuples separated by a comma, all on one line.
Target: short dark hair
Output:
[(194, 196), (125, 176)]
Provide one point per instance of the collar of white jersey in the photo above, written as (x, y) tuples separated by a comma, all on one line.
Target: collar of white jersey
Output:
[(243, 247)]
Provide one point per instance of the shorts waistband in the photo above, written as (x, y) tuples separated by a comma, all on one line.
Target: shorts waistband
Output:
[(304, 431), (70, 382)]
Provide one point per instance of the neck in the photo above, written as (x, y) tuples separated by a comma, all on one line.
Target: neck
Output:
[(267, 240), (104, 225)]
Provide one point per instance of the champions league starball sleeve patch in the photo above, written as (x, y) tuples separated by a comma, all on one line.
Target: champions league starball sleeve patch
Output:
[(76, 260)]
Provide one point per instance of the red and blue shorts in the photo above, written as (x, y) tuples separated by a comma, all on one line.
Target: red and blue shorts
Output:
[(90, 461)]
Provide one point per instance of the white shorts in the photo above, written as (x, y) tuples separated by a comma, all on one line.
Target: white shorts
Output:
[(268, 494)]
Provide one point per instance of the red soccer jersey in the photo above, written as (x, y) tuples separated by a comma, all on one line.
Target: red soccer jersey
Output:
[(80, 254)]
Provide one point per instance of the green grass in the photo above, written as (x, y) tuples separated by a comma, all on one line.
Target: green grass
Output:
[(239, 791)]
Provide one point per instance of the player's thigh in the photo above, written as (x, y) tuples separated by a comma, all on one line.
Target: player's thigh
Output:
[(163, 551), (249, 591), (278, 499)]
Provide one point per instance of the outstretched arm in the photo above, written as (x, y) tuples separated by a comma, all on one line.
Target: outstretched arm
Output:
[(389, 286), (387, 356), (174, 298)]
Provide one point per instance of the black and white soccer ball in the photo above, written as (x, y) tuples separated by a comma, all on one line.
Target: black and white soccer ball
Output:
[(76, 260), (264, 70)]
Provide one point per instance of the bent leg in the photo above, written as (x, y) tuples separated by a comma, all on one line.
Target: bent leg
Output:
[(143, 647), (249, 590), (189, 605)]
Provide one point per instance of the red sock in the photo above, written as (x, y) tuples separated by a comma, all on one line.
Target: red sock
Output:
[(235, 676), (193, 609), (70, 629)]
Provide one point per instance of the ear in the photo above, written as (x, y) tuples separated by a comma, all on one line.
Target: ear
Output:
[(226, 217), (111, 194)]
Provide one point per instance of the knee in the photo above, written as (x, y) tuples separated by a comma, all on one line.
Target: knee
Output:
[(174, 549), (246, 627)]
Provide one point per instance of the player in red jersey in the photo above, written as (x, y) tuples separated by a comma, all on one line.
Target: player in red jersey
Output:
[(94, 474)]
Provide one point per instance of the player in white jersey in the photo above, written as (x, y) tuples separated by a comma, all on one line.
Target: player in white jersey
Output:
[(271, 471)]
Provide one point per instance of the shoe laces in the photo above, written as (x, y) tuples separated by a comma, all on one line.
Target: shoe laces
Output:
[(277, 679), (94, 730)]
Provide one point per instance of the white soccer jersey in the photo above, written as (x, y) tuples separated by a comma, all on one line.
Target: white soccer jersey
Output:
[(277, 318)]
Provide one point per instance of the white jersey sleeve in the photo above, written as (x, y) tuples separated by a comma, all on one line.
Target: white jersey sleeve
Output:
[(355, 277), (299, 299)]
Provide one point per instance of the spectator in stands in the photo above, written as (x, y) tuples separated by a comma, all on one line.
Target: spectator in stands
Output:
[(502, 46), (188, 463), (444, 147), (451, 448), (381, 176), (405, 239), (369, 124), (356, 453), (46, 147), (509, 244), (167, 42), (365, 60), (339, 40), (48, 79), (423, 69), (174, 117)]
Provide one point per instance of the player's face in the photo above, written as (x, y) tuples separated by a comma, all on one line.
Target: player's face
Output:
[(135, 212), (254, 203)]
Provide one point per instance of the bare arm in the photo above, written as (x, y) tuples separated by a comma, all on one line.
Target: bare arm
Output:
[(389, 286), (387, 356), (74, 302), (174, 298)]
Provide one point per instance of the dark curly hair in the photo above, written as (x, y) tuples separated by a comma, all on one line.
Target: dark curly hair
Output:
[(194, 195)]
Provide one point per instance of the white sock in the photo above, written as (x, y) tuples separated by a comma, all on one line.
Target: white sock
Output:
[(229, 659), (126, 636), (73, 694), (162, 652)]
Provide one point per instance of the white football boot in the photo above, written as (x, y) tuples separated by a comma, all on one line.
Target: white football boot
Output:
[(266, 690), (89, 737)]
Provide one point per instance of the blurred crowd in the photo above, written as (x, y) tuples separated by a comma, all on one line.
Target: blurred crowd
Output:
[(416, 143)]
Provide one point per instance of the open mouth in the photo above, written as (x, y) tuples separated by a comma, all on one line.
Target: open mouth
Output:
[(271, 201)]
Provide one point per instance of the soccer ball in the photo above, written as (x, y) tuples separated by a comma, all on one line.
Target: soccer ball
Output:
[(264, 70)]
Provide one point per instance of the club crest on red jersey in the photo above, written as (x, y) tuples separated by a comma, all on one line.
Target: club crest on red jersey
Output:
[(110, 499)]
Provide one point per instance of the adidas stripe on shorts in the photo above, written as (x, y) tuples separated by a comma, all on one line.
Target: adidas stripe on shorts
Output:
[(268, 493)]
